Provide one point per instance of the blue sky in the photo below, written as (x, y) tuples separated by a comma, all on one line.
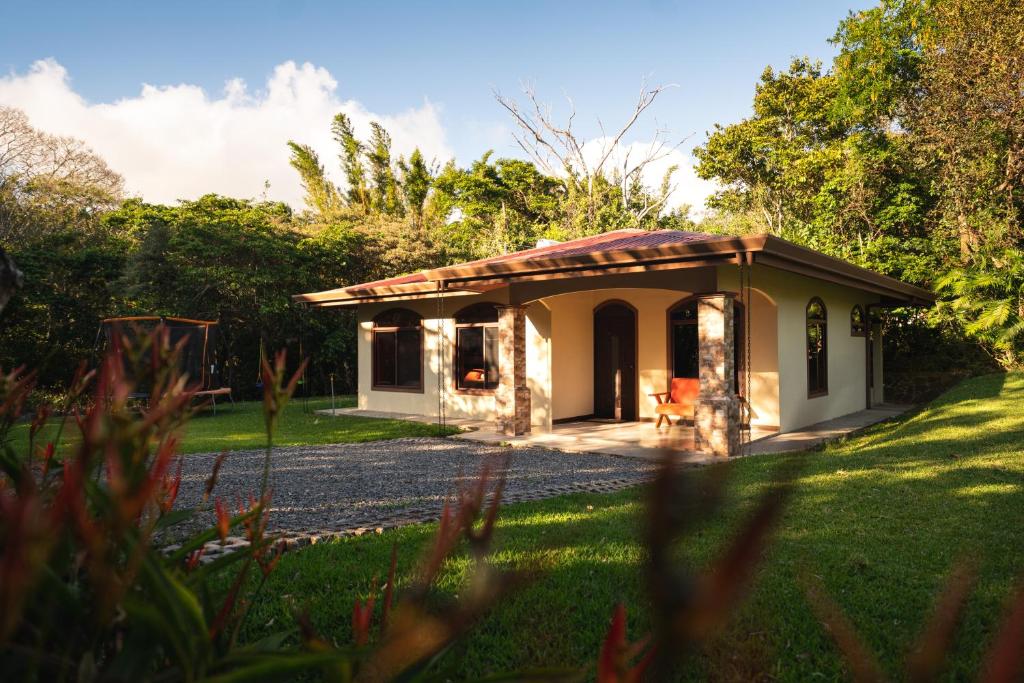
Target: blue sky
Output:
[(397, 57)]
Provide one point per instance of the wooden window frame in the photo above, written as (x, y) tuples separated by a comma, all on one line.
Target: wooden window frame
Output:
[(378, 329), (816, 392), (739, 340), (670, 328), (474, 391)]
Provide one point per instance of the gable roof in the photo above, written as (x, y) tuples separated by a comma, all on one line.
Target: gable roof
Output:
[(619, 251)]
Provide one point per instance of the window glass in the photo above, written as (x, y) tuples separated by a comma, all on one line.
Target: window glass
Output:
[(685, 313), (408, 358), (397, 350), (477, 313), (384, 346), (476, 347), (685, 351), (491, 354), (472, 369), (817, 348), (684, 339)]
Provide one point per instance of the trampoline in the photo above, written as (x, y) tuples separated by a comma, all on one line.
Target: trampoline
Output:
[(198, 357)]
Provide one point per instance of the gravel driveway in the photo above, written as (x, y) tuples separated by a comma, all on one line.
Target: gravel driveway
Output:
[(319, 489)]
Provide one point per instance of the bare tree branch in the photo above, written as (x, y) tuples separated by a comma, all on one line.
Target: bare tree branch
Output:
[(559, 151)]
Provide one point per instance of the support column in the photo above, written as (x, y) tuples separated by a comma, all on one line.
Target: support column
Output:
[(717, 415), (512, 397)]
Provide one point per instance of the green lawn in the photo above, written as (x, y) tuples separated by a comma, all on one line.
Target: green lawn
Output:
[(240, 426), (881, 518)]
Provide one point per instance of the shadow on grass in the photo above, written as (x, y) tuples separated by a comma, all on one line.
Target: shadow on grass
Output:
[(880, 519)]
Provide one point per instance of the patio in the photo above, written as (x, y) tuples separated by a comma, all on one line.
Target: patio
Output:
[(642, 440)]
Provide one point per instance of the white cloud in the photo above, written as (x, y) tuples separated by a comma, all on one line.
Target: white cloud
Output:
[(177, 142)]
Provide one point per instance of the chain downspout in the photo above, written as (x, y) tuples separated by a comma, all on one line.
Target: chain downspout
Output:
[(441, 337)]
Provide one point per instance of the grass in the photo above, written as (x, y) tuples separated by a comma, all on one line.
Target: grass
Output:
[(881, 518), (240, 426)]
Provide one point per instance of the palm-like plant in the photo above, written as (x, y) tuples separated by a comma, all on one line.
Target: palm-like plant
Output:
[(987, 298)]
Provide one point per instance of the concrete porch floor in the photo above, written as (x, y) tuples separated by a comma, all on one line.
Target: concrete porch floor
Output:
[(643, 440)]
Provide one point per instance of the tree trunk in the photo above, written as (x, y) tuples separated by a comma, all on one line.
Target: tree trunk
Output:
[(10, 278)]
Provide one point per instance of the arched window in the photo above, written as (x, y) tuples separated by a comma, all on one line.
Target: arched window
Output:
[(476, 348), (684, 345), (684, 341), (858, 322), (817, 348), (397, 351)]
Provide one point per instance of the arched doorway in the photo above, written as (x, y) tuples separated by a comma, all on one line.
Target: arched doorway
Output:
[(615, 351)]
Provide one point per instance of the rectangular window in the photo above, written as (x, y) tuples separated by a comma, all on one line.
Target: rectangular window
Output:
[(817, 372), (685, 351), (477, 357), (408, 359), (397, 362), (385, 345)]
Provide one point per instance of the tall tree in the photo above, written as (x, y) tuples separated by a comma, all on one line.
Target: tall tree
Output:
[(415, 179), (969, 119), (49, 183), (351, 157), (321, 194), (385, 187)]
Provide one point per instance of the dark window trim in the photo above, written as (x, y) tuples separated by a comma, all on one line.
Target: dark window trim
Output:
[(669, 327), (394, 329), (473, 391), (823, 322), (863, 331), (739, 341)]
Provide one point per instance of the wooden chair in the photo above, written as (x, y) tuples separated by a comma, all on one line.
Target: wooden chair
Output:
[(680, 401)]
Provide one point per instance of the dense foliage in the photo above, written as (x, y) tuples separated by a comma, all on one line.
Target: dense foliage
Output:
[(907, 157)]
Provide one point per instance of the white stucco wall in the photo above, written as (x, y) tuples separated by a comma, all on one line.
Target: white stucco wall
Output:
[(426, 401), (847, 357)]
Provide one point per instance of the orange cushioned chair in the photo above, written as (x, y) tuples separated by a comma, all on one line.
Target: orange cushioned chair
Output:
[(680, 401)]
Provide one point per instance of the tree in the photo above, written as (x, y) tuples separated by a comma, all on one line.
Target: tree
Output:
[(969, 120), (907, 156), (603, 181), (500, 206), (351, 158), (415, 180), (321, 194), (48, 183), (70, 284), (385, 188)]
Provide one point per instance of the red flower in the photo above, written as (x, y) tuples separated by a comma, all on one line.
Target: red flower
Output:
[(223, 519), (613, 664), (169, 490), (362, 616)]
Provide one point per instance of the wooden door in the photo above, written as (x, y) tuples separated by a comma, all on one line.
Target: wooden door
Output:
[(615, 390)]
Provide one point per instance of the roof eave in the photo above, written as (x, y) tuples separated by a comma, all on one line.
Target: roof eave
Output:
[(533, 266), (797, 258)]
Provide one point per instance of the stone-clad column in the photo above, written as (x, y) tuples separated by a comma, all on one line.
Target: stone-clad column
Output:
[(716, 421), (512, 397)]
